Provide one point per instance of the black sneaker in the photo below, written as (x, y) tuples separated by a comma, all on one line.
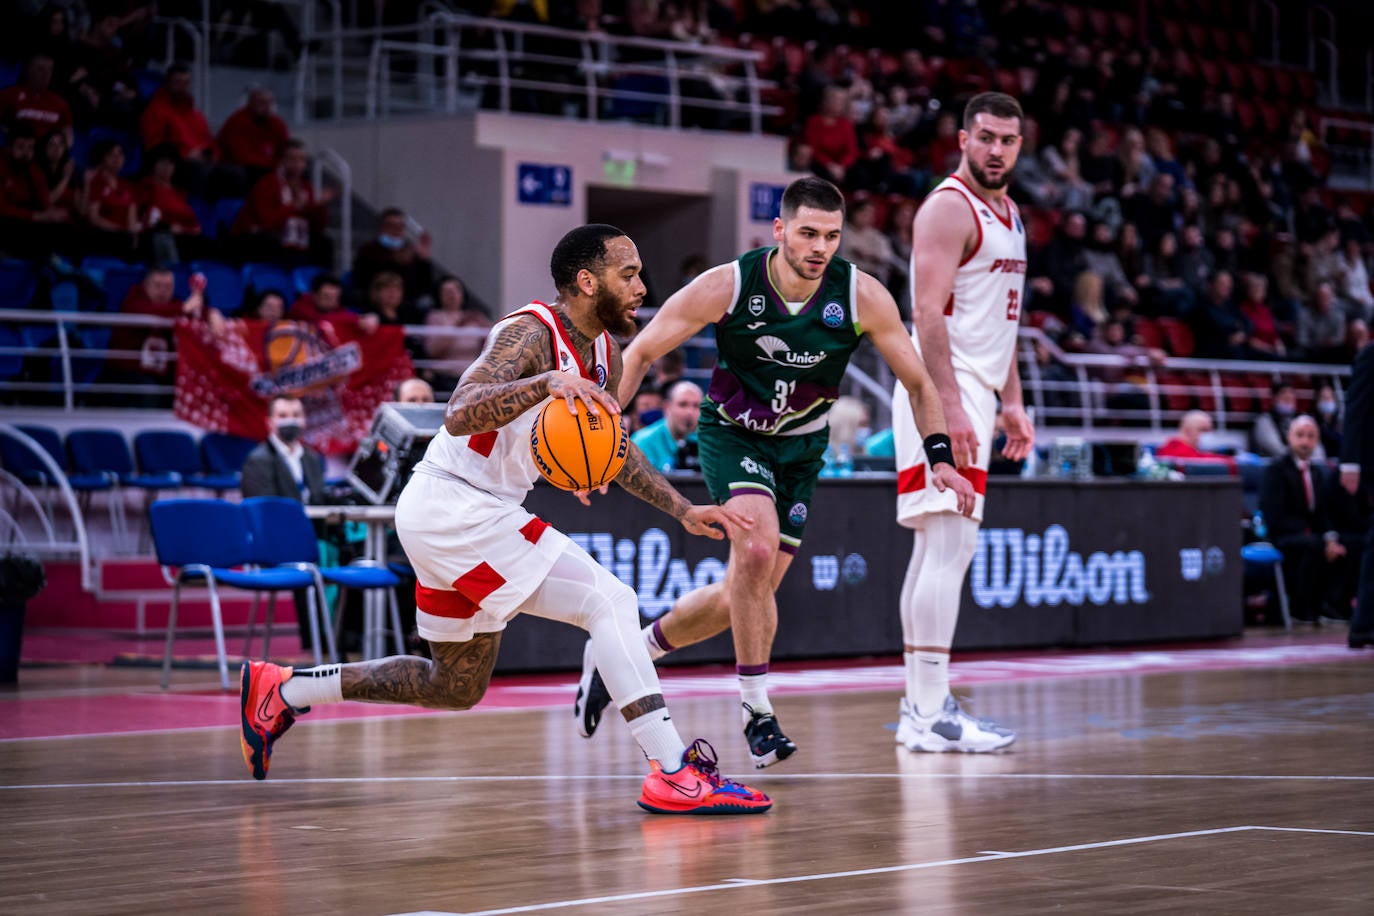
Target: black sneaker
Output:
[(767, 743), (592, 698)]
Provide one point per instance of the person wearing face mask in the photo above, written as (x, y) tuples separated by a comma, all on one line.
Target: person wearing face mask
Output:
[(394, 251), (286, 466), (1269, 435), (1329, 420)]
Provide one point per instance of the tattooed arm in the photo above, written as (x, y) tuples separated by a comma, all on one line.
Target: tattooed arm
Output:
[(507, 379)]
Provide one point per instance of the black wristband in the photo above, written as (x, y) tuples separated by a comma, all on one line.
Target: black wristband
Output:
[(938, 450)]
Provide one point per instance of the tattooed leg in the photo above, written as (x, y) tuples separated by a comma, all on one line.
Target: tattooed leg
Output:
[(456, 678)]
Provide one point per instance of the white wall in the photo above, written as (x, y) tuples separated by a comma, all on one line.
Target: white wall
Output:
[(457, 176)]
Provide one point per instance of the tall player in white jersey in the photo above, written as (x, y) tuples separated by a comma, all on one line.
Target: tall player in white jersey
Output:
[(480, 558), (968, 264)]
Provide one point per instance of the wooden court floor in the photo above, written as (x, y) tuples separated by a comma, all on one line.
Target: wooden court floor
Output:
[(1199, 791)]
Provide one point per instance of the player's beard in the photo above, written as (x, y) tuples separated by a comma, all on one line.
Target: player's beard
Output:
[(610, 311), (982, 177)]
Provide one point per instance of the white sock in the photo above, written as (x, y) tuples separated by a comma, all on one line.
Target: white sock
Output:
[(658, 738), (656, 651), (909, 670), (753, 693), (308, 686), (928, 684)]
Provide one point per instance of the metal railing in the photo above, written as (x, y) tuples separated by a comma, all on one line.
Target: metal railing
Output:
[(1352, 163), (336, 166), (1216, 385), (507, 66), (45, 542)]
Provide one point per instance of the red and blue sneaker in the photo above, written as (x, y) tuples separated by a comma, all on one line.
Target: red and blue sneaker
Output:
[(698, 788), (264, 714)]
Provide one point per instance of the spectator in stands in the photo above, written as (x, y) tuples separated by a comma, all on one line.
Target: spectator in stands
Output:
[(1264, 341), (156, 297), (1295, 497), (670, 442), (942, 153), (1099, 257), (415, 391), (165, 212), (52, 35), (452, 310), (864, 243), (395, 251), (1352, 279), (34, 103), (1269, 435), (285, 466), (1195, 262), (1163, 290), (387, 301), (832, 137), (270, 307), (1063, 261), (849, 426), (1329, 421), (323, 307), (1186, 445), (1088, 307), (646, 408), (1127, 386), (59, 171), (1032, 181), (254, 138), (1221, 328), (283, 219), (1322, 327), (1162, 156), (102, 86), (172, 117), (111, 205), (1153, 211), (886, 164), (25, 206)]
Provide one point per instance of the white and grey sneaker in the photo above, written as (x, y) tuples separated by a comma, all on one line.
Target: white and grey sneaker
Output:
[(592, 696), (951, 729)]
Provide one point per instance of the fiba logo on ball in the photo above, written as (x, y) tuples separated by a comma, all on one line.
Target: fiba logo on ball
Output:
[(832, 315), (797, 514)]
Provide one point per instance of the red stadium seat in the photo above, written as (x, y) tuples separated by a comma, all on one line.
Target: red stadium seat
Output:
[(1307, 87), (1198, 37), (1099, 21), (1237, 77), (1284, 84), (1221, 41), (1203, 392), (1246, 115), (1173, 33), (1038, 319), (1172, 395), (1260, 79), (1270, 117), (1178, 336), (1073, 18), (1008, 81), (1245, 45), (1125, 24), (1149, 333), (1211, 72)]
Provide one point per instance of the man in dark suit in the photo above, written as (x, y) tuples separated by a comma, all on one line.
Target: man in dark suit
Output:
[(285, 466), (1357, 478), (1295, 498)]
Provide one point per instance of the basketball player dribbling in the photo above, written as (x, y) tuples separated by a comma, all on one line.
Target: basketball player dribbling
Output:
[(786, 320), (480, 558), (968, 254)]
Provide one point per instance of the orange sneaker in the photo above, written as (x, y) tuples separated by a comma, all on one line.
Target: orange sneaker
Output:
[(698, 788), (264, 714)]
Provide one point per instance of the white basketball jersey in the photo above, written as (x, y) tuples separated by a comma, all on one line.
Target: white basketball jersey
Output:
[(985, 308), (499, 461)]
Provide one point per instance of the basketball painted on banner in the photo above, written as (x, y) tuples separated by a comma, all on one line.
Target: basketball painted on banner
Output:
[(289, 344), (577, 451)]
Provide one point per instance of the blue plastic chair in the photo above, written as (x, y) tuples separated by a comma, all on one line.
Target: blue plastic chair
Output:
[(1260, 557), (283, 537), (223, 285), (205, 540), (225, 212), (170, 452), (115, 277), (17, 283), (11, 359), (106, 452), (224, 456), (262, 277), (302, 277), (21, 462), (281, 528)]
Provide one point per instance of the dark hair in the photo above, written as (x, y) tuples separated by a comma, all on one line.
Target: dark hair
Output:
[(320, 281), (177, 69), (390, 211), (101, 149), (813, 192), (280, 397), (1281, 385), (584, 248), (158, 153), (997, 104)]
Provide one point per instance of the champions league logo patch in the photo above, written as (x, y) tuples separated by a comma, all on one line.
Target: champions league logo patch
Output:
[(832, 315), (756, 306), (601, 376), (797, 514)]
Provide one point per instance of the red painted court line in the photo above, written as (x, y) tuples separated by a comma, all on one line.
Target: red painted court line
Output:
[(141, 711)]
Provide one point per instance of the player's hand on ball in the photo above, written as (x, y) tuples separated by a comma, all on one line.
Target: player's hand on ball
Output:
[(947, 478), (584, 496), (703, 520), (962, 439), (571, 387)]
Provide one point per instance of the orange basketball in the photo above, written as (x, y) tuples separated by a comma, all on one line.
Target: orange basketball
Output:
[(577, 451)]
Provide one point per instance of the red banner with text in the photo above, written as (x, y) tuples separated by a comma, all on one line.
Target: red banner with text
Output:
[(224, 383)]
